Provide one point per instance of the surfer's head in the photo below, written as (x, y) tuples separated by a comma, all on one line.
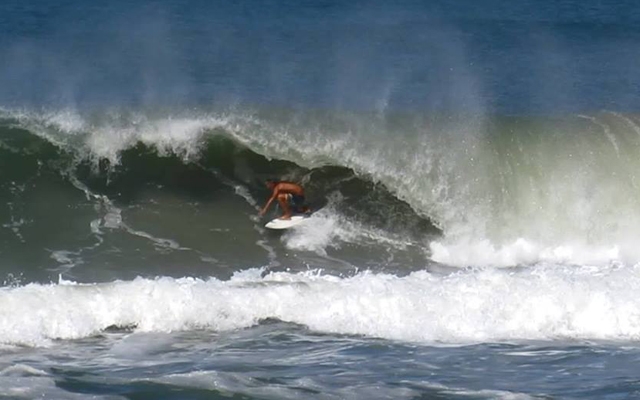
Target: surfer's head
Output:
[(271, 183)]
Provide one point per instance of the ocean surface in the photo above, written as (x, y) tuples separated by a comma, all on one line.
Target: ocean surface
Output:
[(474, 168)]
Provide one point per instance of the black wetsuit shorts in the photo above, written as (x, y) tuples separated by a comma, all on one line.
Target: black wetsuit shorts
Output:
[(296, 200)]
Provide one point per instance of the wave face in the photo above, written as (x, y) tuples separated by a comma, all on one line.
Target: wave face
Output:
[(113, 195), (417, 139), (456, 190)]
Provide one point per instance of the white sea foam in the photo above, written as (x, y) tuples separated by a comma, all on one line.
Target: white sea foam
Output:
[(522, 252), (547, 301), (327, 228)]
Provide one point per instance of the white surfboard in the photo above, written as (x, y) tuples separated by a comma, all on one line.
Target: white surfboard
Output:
[(285, 223)]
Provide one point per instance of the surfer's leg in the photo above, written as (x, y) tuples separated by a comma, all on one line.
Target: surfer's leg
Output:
[(283, 200)]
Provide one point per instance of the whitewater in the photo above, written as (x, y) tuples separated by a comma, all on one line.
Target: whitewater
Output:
[(540, 303)]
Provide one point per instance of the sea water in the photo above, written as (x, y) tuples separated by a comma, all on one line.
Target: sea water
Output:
[(471, 167)]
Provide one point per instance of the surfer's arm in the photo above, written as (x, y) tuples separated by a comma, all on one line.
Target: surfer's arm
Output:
[(271, 199)]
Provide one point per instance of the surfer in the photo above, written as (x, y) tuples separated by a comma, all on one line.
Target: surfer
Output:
[(288, 194)]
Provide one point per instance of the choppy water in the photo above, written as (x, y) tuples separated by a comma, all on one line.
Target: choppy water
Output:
[(472, 167)]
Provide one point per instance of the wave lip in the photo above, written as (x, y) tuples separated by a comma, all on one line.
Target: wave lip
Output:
[(104, 136)]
